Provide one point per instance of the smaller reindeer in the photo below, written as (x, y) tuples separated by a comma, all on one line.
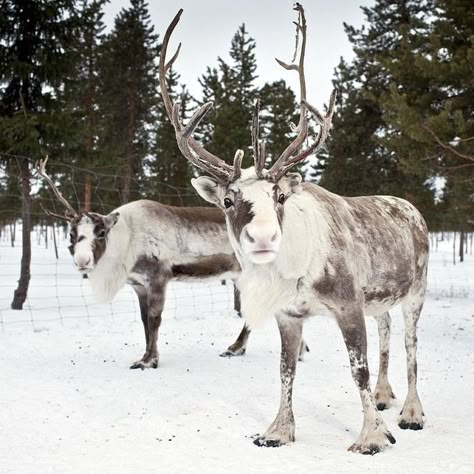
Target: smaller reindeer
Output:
[(147, 244)]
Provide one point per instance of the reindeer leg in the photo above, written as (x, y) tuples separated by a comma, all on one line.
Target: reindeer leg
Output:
[(383, 393), (155, 300), (411, 416), (240, 345), (140, 290), (372, 438), (282, 430)]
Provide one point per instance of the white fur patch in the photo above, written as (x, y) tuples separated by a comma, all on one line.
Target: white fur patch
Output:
[(266, 289), (83, 256)]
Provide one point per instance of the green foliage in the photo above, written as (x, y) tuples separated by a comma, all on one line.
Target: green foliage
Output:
[(361, 158), (128, 96), (169, 172), (35, 40), (231, 89), (278, 106), (430, 104)]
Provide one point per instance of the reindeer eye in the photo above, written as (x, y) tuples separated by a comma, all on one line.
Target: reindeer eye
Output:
[(281, 198), (228, 203)]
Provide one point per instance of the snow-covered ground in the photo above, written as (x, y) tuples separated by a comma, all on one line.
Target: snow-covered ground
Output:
[(69, 403)]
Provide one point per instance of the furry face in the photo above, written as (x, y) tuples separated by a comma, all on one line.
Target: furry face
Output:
[(254, 210), (88, 238)]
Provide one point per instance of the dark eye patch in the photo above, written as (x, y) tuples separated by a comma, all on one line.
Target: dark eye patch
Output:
[(279, 198), (241, 214), (82, 237), (100, 231)]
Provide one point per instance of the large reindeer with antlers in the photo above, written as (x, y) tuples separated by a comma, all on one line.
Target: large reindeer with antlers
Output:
[(146, 244), (306, 251)]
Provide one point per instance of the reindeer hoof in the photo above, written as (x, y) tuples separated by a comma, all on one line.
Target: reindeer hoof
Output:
[(374, 445), (141, 364), (268, 443), (404, 425), (370, 449), (231, 353)]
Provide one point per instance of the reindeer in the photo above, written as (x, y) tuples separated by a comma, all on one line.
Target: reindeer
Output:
[(305, 251), (146, 244)]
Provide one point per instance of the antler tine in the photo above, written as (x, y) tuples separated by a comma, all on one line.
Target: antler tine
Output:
[(302, 127), (40, 166), (53, 214), (184, 137), (239, 154), (258, 148), (325, 123), (188, 146)]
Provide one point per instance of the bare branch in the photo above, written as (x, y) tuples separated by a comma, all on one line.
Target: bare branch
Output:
[(449, 147)]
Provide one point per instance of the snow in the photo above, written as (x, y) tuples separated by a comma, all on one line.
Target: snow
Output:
[(69, 403)]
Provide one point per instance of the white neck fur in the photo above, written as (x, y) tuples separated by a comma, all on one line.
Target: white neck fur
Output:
[(112, 270)]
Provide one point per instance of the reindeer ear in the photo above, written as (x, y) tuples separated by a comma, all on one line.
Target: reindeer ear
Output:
[(291, 182), (209, 189), (111, 220)]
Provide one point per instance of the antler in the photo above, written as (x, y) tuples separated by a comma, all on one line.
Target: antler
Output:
[(188, 146), (286, 160), (258, 147), (71, 213)]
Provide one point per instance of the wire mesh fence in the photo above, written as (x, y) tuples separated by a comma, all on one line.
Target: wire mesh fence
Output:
[(58, 293)]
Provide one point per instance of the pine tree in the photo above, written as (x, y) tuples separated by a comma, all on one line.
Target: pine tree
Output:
[(359, 160), (430, 105), (231, 88), (128, 96), (278, 106), (35, 38), (81, 100)]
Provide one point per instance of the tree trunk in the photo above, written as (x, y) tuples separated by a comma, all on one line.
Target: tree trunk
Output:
[(12, 232), (461, 247), (55, 242), (454, 249), (127, 182), (24, 281), (87, 193)]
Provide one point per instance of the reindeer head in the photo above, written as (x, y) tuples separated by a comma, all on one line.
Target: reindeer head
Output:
[(88, 230), (88, 239), (253, 199)]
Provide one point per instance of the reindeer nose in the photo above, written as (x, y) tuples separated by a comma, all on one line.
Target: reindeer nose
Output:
[(82, 262), (260, 235)]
